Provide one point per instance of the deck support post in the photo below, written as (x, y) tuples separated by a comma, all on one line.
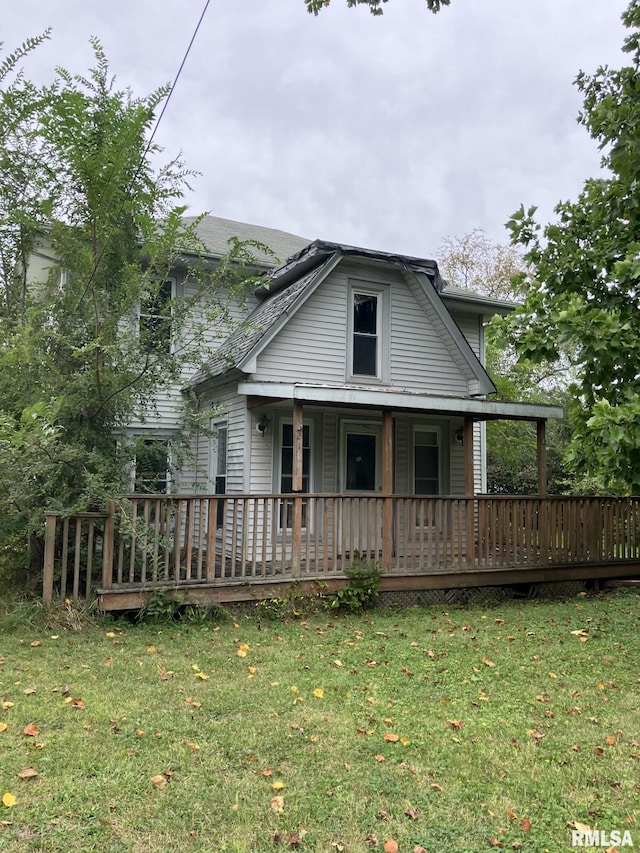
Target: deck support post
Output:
[(49, 557), (541, 451), (387, 490), (298, 443), (469, 491), (107, 546)]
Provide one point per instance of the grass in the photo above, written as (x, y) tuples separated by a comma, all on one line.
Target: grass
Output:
[(508, 727)]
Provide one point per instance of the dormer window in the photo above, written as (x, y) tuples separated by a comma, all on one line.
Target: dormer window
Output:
[(368, 327), (366, 332)]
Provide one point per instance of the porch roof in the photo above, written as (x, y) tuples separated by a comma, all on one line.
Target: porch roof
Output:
[(386, 398)]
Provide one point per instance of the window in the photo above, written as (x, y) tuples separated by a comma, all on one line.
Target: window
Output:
[(366, 318), (152, 467), (155, 319), (286, 471), (426, 461)]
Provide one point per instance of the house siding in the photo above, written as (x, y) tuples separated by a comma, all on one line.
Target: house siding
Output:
[(419, 358)]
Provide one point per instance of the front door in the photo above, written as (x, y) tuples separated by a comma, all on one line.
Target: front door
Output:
[(361, 519)]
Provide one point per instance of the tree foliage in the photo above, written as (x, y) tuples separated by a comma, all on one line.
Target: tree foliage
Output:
[(375, 6), (584, 297), (89, 231)]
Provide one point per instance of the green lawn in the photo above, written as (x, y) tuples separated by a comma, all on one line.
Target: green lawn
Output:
[(451, 730)]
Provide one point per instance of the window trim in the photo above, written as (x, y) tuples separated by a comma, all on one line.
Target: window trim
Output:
[(382, 292)]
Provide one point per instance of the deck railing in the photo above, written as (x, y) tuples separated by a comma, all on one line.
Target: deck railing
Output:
[(147, 541)]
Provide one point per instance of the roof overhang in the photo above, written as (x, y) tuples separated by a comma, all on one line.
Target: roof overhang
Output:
[(385, 398)]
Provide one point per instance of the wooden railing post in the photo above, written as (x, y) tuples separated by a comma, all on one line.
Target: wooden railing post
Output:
[(298, 443), (49, 557), (469, 491), (387, 490), (108, 546)]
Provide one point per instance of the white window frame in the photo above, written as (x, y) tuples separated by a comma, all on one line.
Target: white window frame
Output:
[(382, 293)]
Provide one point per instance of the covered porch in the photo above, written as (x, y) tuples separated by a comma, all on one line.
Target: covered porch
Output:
[(210, 548)]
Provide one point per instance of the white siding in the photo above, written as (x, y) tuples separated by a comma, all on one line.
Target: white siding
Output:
[(312, 346)]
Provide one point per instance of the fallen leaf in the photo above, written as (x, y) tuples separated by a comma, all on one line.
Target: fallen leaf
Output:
[(36, 643), (610, 740), (383, 815), (318, 693), (277, 804), (8, 800), (379, 758), (7, 705), (202, 676), (581, 827), (158, 781), (29, 691), (390, 846), (457, 724), (390, 737), (525, 824), (277, 785), (487, 662), (151, 650), (495, 842), (435, 787), (78, 703), (27, 773), (371, 840), (267, 772), (3, 727), (412, 814), (30, 730), (404, 741), (417, 848)]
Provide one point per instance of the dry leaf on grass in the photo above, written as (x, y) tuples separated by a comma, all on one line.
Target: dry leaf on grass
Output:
[(277, 804), (27, 773), (30, 730), (159, 781), (8, 800), (390, 846)]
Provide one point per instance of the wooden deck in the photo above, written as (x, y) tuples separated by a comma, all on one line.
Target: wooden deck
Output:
[(214, 548)]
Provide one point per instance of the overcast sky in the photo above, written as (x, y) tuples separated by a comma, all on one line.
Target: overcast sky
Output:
[(386, 132)]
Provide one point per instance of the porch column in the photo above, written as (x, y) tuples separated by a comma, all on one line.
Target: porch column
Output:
[(298, 435), (544, 508), (469, 491), (387, 490), (541, 450)]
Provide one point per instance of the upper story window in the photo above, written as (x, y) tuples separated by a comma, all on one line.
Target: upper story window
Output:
[(155, 319), (365, 331)]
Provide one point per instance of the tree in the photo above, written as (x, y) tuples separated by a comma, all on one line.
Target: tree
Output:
[(375, 6), (76, 363), (584, 296), (473, 262)]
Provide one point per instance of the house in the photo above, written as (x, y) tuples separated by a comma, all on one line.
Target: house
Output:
[(349, 409)]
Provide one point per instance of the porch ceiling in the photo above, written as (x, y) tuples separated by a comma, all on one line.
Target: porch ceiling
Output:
[(386, 398)]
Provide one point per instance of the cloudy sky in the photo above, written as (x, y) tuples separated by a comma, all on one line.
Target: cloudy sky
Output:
[(386, 132)]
